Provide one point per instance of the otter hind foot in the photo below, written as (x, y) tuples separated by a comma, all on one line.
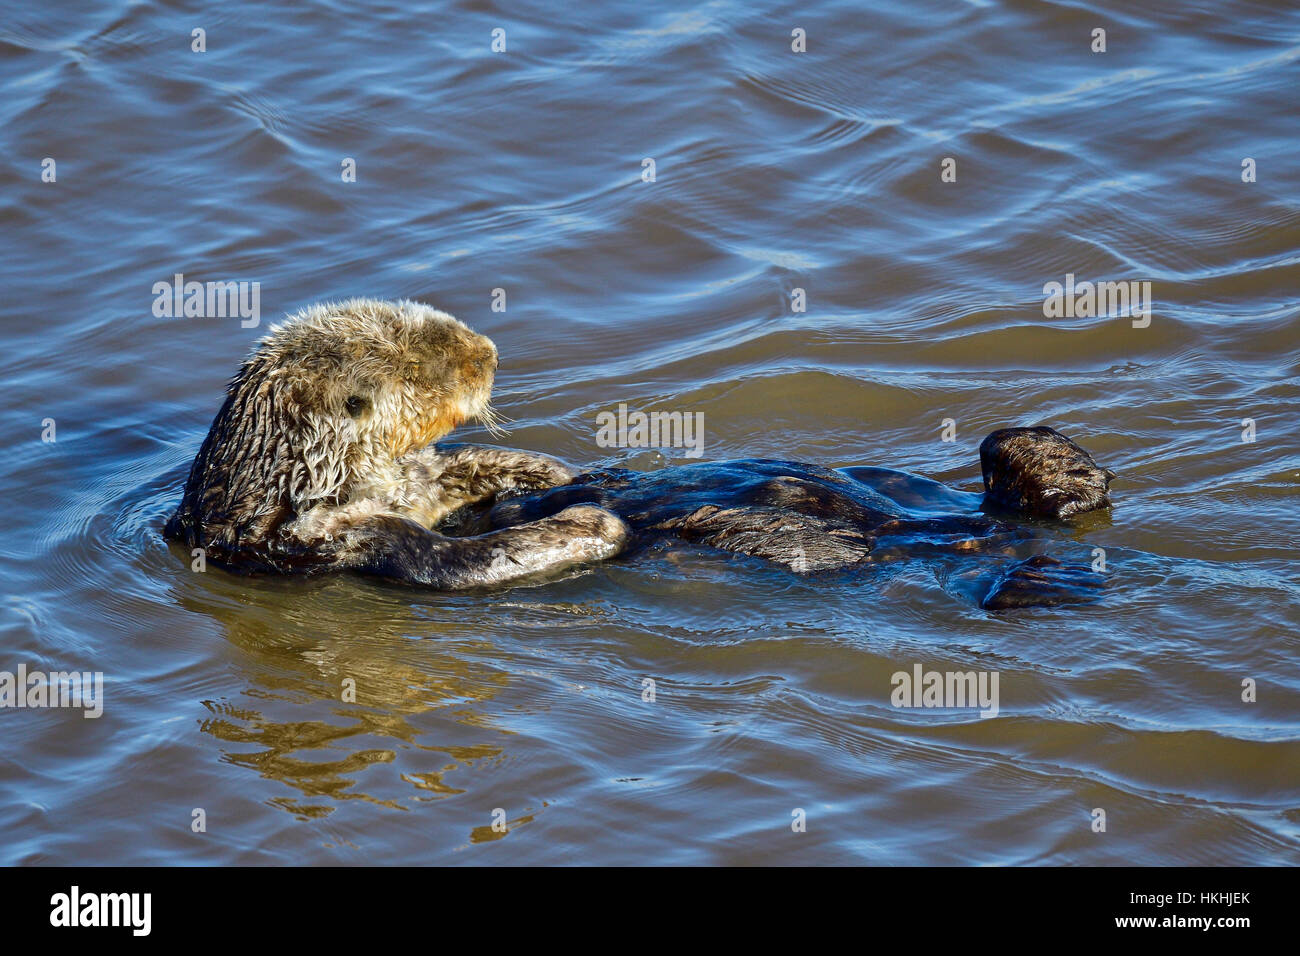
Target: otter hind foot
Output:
[(1039, 472), (1042, 581)]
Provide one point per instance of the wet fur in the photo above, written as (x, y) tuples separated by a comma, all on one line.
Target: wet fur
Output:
[(812, 519), (1038, 471), (321, 457)]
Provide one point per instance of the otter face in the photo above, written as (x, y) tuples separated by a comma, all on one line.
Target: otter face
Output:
[(384, 378), (326, 404)]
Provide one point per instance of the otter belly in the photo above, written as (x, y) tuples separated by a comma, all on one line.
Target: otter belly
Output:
[(804, 517)]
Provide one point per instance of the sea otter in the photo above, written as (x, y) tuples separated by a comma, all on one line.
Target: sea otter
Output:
[(322, 458)]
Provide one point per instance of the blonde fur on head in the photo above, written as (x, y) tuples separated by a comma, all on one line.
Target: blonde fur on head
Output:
[(321, 414)]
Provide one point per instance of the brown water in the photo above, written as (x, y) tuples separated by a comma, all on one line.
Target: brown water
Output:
[(774, 171)]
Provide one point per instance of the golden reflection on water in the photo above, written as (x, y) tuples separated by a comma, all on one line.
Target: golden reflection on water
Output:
[(358, 690)]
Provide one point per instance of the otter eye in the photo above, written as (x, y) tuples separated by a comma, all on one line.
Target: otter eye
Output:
[(355, 405)]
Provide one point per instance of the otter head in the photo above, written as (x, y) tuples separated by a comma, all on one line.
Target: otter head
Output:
[(1039, 472), (325, 405)]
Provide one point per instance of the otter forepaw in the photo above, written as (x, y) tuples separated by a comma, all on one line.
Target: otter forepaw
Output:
[(1041, 581), (596, 533)]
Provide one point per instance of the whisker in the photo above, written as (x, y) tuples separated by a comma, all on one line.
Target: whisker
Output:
[(493, 421)]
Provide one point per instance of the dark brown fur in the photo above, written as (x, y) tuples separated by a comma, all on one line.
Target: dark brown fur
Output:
[(1039, 472)]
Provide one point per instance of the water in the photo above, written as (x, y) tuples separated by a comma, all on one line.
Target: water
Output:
[(774, 171)]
